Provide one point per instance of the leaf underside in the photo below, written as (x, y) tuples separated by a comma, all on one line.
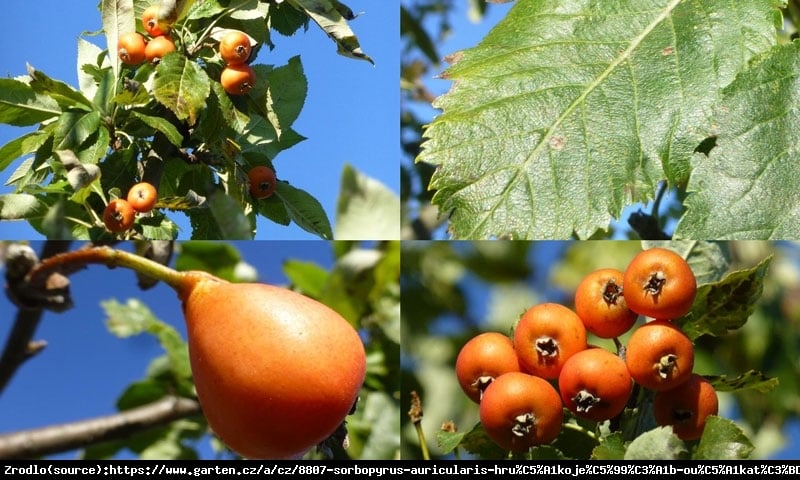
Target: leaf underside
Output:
[(570, 110)]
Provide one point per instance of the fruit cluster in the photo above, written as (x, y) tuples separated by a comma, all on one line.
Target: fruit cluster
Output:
[(522, 384), (134, 48), (238, 77), (120, 213), (235, 47)]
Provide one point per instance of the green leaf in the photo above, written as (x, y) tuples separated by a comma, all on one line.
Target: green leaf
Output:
[(134, 318), (21, 106), (304, 210), (162, 125), (657, 444), (18, 206), (567, 111), (722, 440), (287, 88), (749, 380), (20, 146), (182, 86), (476, 441), (229, 220), (325, 14), (725, 305), (308, 277), (366, 209), (220, 259), (74, 127), (286, 19), (612, 447), (66, 96), (90, 56), (258, 136), (746, 187)]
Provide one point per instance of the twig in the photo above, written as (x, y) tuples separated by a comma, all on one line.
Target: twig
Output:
[(38, 442), (20, 345)]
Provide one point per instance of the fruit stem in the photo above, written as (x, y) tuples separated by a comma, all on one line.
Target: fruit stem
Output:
[(415, 413), (578, 428), (112, 258)]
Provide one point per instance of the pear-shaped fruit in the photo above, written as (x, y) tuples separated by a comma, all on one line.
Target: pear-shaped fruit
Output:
[(276, 372)]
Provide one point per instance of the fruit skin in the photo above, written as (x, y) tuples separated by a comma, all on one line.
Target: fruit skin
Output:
[(659, 283), (234, 47), (483, 358), (601, 305), (517, 394), (118, 215), (131, 48), (276, 372), (595, 384), (659, 355), (686, 407), (142, 197), (150, 21), (262, 181), (238, 79), (158, 47), (546, 335)]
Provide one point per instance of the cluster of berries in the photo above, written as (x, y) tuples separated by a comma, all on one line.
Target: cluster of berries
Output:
[(522, 384)]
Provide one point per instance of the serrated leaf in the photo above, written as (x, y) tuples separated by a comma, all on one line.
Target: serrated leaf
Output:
[(752, 379), (478, 442), (287, 88), (366, 209), (722, 440), (286, 19), (331, 21), (21, 106), (182, 86), (746, 188), (725, 305), (304, 210), (568, 111)]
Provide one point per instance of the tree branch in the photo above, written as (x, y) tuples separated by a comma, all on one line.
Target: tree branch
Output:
[(20, 345), (69, 436)]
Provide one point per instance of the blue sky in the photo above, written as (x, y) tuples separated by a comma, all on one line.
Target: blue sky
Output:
[(84, 368), (350, 115)]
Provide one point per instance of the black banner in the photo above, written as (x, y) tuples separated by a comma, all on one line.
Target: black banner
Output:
[(389, 469)]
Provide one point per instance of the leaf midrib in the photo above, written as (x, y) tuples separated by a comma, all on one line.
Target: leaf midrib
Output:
[(625, 55)]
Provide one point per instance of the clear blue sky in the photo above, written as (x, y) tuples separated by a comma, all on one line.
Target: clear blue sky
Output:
[(84, 368), (350, 115)]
